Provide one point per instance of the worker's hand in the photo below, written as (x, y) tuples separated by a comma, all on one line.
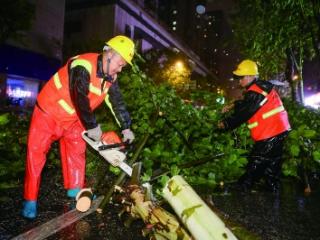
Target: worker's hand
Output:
[(227, 108), (95, 133), (221, 125), (128, 135)]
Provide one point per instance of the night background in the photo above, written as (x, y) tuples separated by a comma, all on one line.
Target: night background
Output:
[(186, 52), (212, 35)]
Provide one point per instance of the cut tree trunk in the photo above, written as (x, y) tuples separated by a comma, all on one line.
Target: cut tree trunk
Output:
[(160, 224), (200, 220)]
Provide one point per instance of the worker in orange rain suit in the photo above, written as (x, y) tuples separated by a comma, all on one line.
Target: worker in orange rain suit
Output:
[(268, 122), (64, 109)]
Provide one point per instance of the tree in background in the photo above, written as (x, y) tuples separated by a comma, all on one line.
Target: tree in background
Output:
[(280, 35), (15, 17), (169, 66)]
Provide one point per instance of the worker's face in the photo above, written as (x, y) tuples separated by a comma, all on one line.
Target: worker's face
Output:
[(245, 81), (116, 64)]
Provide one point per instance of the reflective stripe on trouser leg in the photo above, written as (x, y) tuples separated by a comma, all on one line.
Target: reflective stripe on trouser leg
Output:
[(72, 149), (43, 131)]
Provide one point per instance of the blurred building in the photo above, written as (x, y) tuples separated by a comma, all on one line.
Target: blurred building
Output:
[(88, 23), (205, 27), (26, 63)]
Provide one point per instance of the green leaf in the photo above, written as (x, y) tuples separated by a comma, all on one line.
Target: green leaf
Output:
[(294, 135), (4, 119), (114, 170), (163, 180), (309, 133), (145, 177), (316, 156), (294, 150), (174, 170)]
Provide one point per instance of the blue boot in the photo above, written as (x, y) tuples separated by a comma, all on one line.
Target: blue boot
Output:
[(72, 193), (29, 209)]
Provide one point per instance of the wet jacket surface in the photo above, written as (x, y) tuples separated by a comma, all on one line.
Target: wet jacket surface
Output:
[(79, 80), (244, 109)]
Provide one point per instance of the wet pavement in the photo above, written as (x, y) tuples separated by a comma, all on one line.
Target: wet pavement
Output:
[(289, 215), (52, 203), (285, 216)]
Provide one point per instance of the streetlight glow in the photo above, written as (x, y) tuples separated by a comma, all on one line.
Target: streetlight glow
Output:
[(179, 66), (295, 77)]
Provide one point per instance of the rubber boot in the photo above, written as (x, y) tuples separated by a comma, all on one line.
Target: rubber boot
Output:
[(29, 209), (272, 174), (72, 193)]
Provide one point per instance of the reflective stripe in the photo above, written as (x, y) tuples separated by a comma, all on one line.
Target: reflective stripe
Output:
[(252, 125), (106, 89), (263, 101), (94, 89), (110, 107), (81, 62), (272, 112), (264, 93), (75, 57), (66, 106), (57, 81)]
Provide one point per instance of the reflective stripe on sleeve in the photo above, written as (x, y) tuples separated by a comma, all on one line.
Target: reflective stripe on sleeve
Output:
[(263, 101), (252, 125), (94, 89), (66, 106), (57, 81), (272, 112), (81, 62)]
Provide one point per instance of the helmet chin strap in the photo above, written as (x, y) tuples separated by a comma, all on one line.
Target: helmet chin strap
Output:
[(106, 76)]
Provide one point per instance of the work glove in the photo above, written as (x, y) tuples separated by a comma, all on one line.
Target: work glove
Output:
[(128, 135), (95, 133), (227, 108)]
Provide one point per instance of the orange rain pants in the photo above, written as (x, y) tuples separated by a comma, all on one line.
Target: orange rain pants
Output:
[(42, 133)]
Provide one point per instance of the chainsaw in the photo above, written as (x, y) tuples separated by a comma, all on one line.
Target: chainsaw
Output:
[(110, 152)]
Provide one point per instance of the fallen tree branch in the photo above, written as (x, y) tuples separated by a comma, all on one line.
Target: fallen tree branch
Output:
[(159, 172), (121, 178), (139, 203)]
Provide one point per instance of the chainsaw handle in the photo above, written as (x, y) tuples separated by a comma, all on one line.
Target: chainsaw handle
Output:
[(90, 141), (115, 145), (99, 146)]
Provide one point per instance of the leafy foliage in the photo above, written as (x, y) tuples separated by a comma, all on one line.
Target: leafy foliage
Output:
[(13, 148), (185, 139), (185, 131), (302, 146), (168, 66), (267, 29)]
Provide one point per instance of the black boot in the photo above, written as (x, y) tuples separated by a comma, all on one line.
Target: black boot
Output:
[(272, 174)]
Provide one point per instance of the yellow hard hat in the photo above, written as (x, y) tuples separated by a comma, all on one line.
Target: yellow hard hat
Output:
[(124, 46), (246, 68)]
